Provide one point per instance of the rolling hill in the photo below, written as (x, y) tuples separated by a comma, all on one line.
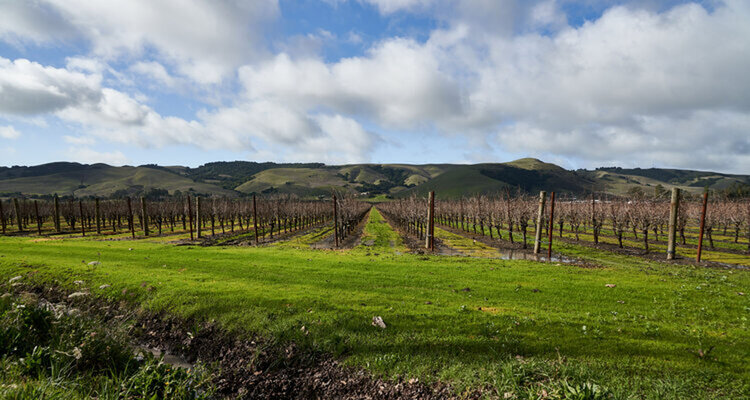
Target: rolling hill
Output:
[(81, 180), (238, 178)]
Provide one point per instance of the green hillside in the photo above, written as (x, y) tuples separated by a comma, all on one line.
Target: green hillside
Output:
[(365, 180), (299, 181), (72, 179), (528, 174)]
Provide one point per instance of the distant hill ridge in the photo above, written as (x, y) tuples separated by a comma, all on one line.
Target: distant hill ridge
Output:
[(237, 178)]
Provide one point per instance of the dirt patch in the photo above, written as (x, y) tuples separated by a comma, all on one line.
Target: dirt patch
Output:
[(246, 367), (247, 238), (349, 242)]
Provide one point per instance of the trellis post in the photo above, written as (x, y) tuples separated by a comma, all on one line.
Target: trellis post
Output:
[(703, 226), (674, 207), (540, 216)]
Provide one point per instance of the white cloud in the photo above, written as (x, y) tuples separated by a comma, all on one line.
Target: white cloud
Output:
[(8, 132), (647, 85), (398, 84), (37, 21), (155, 71), (111, 115), (391, 6), (29, 88), (205, 40)]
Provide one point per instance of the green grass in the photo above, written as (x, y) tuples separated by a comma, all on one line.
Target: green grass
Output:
[(49, 355), (378, 237), (521, 326)]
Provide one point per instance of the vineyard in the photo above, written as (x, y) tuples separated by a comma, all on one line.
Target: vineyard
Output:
[(508, 221), (552, 297), (636, 224), (200, 217)]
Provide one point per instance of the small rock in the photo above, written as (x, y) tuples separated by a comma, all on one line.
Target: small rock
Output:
[(428, 302), (740, 293), (79, 283), (104, 286), (413, 381), (610, 285), (130, 249), (94, 263), (378, 321), (15, 278), (621, 301), (77, 294)]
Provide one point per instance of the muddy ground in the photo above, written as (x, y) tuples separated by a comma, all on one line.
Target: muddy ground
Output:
[(651, 256), (242, 367)]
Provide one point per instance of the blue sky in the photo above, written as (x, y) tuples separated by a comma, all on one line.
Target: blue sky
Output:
[(579, 83)]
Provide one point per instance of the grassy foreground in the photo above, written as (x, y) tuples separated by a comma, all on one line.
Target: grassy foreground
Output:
[(510, 327)]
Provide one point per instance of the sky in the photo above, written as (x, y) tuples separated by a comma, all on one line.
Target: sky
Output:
[(582, 84)]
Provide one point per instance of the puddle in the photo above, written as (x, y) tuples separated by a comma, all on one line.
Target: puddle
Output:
[(523, 255), (170, 359)]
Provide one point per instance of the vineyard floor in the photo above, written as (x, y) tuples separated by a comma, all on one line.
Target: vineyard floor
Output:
[(717, 257), (491, 327)]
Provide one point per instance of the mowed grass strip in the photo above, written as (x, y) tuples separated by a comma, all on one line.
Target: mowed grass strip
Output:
[(506, 326), (379, 237)]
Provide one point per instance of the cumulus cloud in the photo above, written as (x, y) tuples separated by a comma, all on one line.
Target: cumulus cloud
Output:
[(652, 86), (203, 39), (639, 84), (398, 84), (108, 114), (29, 88)]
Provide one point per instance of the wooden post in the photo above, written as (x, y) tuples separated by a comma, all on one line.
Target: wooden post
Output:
[(430, 240), (198, 216), (674, 207), (213, 213), (131, 219), (144, 216), (255, 219), (38, 220), (551, 225), (98, 216), (18, 214), (83, 223), (335, 222), (2, 216), (540, 216), (190, 216), (703, 226), (58, 228)]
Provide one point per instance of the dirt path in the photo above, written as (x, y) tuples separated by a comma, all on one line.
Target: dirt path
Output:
[(349, 242)]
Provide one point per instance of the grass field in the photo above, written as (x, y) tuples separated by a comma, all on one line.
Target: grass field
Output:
[(499, 326)]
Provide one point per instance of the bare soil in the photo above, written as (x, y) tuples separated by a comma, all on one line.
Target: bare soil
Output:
[(245, 367), (349, 242)]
